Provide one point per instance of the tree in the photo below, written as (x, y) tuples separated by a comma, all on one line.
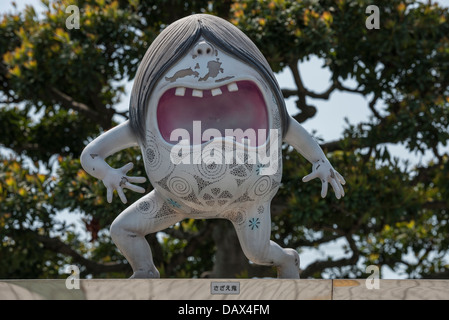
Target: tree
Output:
[(60, 86), (391, 209)]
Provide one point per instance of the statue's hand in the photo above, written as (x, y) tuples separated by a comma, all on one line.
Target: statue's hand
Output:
[(116, 179), (323, 169)]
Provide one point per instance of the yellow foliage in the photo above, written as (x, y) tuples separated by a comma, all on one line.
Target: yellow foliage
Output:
[(32, 64), (10, 182), (401, 7), (41, 177), (29, 178), (22, 192), (15, 71), (439, 100), (14, 167), (81, 174), (327, 17), (239, 14), (3, 218), (374, 256), (308, 15), (8, 58), (62, 35), (99, 201)]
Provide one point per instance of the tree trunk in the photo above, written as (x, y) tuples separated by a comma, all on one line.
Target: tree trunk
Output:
[(230, 261)]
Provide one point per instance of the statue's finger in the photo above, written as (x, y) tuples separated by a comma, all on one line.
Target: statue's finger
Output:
[(109, 194), (336, 188), (121, 194), (134, 188), (340, 178), (127, 167), (324, 188), (137, 179), (309, 177)]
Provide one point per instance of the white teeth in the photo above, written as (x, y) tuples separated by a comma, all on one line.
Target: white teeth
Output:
[(180, 91), (197, 93), (216, 92), (233, 87)]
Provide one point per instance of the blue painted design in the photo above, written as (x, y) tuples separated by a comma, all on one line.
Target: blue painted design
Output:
[(258, 168), (254, 223), (173, 203)]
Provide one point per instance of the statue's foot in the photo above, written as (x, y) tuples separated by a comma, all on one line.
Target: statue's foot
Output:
[(146, 274), (290, 270)]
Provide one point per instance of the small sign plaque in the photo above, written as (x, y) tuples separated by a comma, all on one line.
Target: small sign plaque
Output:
[(225, 287)]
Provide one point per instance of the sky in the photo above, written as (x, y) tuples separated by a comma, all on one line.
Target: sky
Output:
[(328, 124)]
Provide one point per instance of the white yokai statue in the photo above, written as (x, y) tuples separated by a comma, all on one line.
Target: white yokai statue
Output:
[(209, 117)]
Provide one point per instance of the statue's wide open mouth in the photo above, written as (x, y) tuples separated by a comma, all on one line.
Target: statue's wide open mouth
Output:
[(226, 108)]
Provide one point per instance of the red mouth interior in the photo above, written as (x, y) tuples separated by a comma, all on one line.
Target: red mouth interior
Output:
[(243, 109)]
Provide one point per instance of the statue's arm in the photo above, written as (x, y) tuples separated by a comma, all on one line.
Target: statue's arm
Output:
[(300, 139), (94, 155)]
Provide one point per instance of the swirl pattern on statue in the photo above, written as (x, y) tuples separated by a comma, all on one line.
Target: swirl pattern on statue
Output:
[(205, 188)]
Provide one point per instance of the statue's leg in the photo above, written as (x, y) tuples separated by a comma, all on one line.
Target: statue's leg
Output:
[(149, 214), (254, 236)]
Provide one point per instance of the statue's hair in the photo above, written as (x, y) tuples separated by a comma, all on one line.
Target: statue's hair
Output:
[(175, 41)]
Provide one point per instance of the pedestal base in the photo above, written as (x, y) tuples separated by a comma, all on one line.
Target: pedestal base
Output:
[(222, 289)]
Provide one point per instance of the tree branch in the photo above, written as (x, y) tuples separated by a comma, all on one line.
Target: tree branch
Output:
[(287, 93), (341, 87), (319, 266), (193, 241), (307, 111), (373, 110), (435, 205), (437, 275), (324, 95), (92, 267), (103, 118), (332, 145), (313, 243), (69, 102), (123, 114)]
